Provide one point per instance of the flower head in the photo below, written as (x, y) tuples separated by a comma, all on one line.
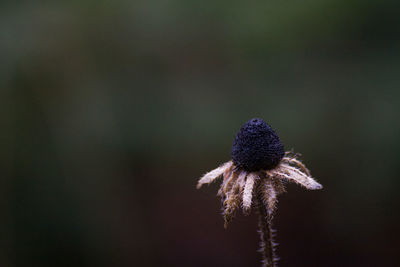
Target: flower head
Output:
[(258, 168)]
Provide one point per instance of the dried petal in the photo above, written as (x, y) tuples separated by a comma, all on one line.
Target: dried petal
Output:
[(248, 191), (214, 174), (290, 173)]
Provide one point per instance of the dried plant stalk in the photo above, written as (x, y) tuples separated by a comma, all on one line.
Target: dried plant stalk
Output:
[(255, 176), (267, 244)]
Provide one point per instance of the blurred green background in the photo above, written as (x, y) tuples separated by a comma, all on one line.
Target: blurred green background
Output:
[(111, 110)]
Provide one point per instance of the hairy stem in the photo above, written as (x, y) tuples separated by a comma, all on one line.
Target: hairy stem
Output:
[(266, 233)]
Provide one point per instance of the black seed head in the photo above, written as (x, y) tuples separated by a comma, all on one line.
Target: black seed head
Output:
[(257, 146)]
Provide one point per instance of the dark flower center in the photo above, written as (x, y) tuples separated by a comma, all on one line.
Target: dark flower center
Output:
[(257, 146)]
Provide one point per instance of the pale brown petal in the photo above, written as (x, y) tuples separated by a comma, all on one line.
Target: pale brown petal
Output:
[(214, 174), (292, 174), (229, 181), (242, 180), (227, 177), (232, 198), (278, 185), (248, 191), (269, 196), (297, 163)]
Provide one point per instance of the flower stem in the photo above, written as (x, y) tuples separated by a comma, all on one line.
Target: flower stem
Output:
[(266, 234)]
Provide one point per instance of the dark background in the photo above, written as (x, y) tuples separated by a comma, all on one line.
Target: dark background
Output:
[(110, 111)]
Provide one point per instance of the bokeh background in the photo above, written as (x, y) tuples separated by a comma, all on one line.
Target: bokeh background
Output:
[(111, 110)]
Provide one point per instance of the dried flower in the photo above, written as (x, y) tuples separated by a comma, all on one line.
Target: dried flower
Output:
[(254, 178)]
